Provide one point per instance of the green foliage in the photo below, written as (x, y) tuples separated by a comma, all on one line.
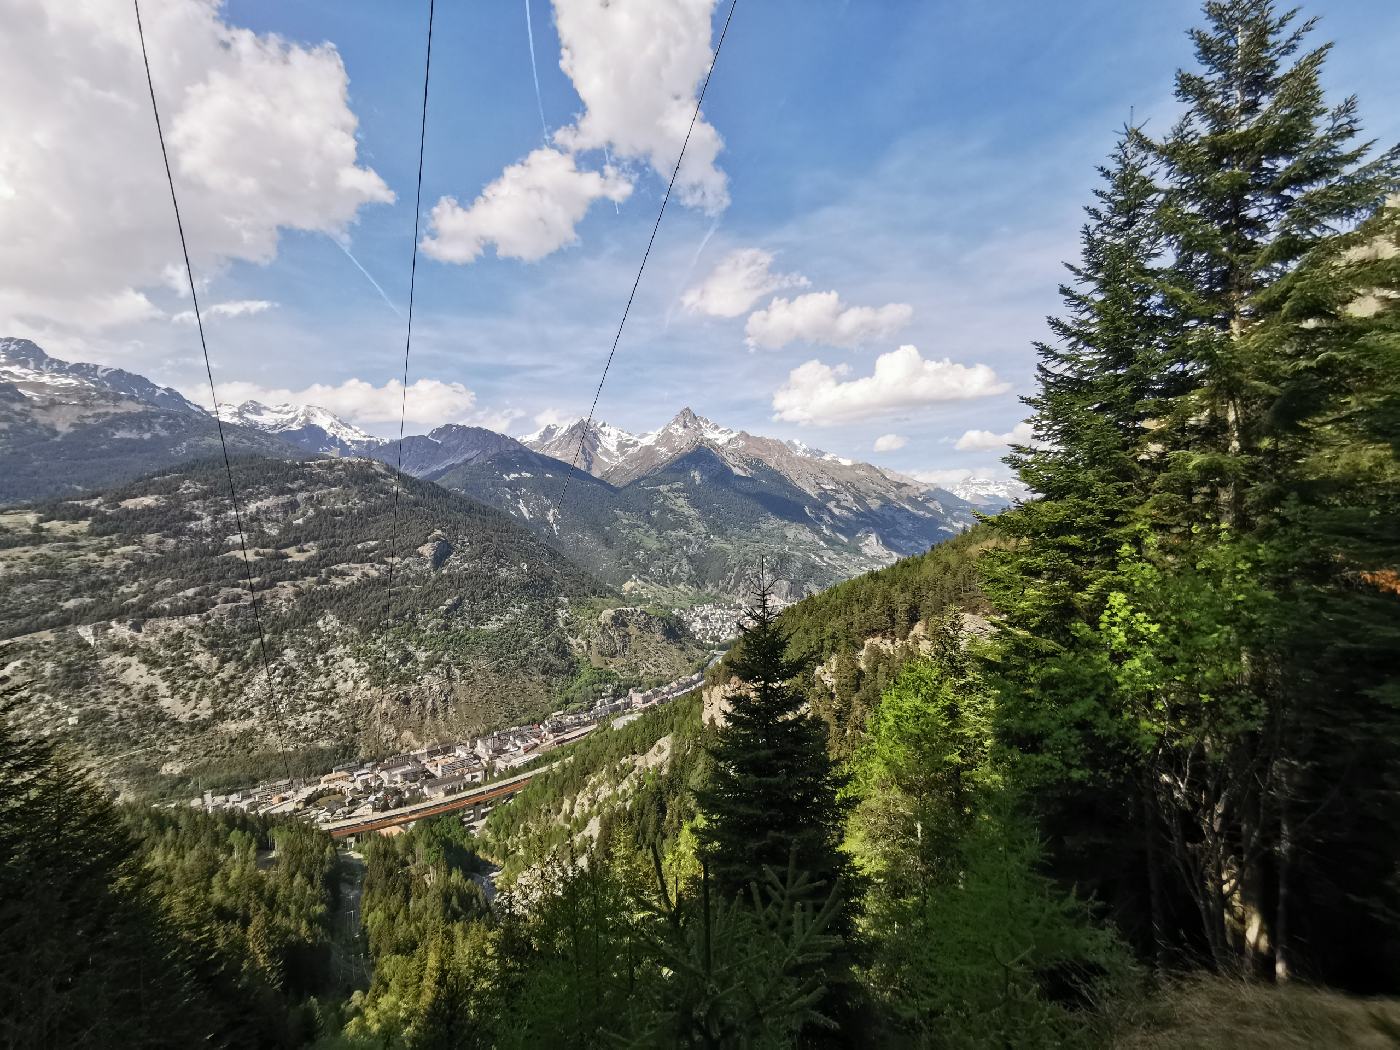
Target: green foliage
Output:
[(1158, 705), (1218, 475), (773, 790), (552, 813), (155, 929), (999, 956), (420, 912), (742, 972), (971, 945)]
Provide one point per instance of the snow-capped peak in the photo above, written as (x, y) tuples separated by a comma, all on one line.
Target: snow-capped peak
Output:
[(687, 423), (39, 376), (809, 452), (614, 439), (301, 419), (550, 431), (987, 492)]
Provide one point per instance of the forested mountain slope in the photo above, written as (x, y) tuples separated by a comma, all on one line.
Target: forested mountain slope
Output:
[(128, 625), (850, 641), (135, 927)]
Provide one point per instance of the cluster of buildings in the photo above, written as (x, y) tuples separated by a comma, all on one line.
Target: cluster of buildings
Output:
[(711, 623), (365, 787)]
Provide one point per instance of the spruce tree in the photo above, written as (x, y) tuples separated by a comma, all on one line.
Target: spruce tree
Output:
[(1104, 383), (1174, 602), (773, 792), (1261, 176), (1335, 551), (1259, 172)]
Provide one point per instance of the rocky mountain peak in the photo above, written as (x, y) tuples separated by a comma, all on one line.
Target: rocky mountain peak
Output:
[(38, 375), (22, 352), (308, 426)]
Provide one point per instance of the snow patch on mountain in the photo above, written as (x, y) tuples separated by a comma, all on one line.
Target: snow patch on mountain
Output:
[(41, 377), (310, 426), (988, 492)]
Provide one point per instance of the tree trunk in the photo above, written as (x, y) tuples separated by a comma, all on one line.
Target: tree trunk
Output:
[(1154, 877), (1282, 961)]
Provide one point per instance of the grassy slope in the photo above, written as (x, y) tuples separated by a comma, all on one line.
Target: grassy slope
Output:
[(1212, 1013)]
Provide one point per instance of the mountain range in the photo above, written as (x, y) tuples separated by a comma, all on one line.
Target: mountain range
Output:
[(682, 511), (70, 428)]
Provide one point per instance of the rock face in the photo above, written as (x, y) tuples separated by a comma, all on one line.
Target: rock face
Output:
[(437, 550), (621, 631), (306, 426), (68, 428)]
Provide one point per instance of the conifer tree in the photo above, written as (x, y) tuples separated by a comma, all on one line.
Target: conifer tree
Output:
[(1259, 172), (773, 790), (1261, 176), (1157, 625), (1334, 330), (1104, 383), (86, 956)]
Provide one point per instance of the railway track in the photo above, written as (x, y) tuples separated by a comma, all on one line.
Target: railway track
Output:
[(391, 818)]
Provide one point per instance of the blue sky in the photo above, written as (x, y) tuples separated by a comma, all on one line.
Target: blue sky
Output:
[(925, 159)]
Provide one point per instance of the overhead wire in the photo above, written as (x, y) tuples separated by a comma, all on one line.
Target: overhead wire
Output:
[(213, 393), (699, 101), (408, 339)]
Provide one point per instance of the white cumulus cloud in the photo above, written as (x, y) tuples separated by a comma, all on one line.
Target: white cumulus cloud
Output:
[(987, 441), (737, 282), (430, 401), (902, 379), (527, 213), (890, 442), (638, 67), (821, 317), (86, 225)]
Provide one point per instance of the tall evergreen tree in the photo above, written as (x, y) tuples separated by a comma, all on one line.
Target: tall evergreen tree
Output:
[(1259, 172), (774, 789), (1334, 332), (86, 956), (1104, 383), (1160, 625), (1261, 177)]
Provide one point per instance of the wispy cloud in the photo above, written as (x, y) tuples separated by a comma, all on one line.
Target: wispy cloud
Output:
[(231, 308)]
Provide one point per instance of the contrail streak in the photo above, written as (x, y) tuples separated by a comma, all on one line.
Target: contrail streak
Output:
[(689, 270), (382, 294), (703, 241), (534, 71)]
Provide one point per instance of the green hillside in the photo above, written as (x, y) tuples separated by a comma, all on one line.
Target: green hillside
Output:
[(128, 624)]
